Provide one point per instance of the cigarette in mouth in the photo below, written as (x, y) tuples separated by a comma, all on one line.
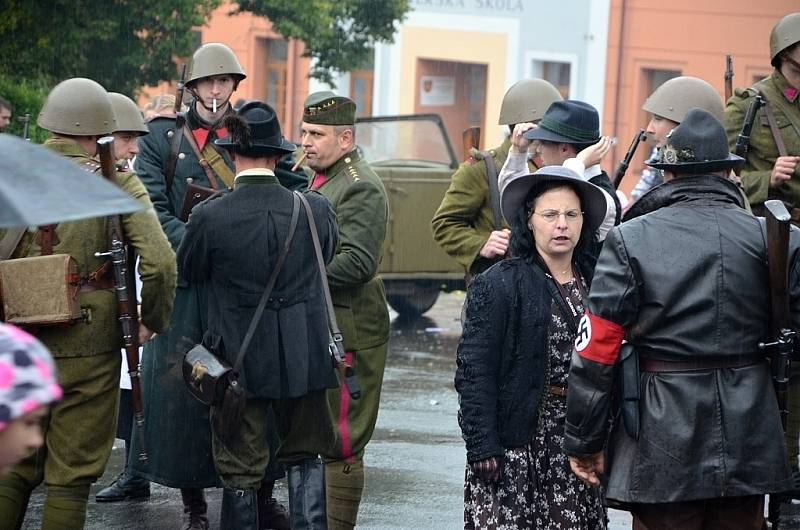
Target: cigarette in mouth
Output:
[(130, 164), (297, 164), (214, 105)]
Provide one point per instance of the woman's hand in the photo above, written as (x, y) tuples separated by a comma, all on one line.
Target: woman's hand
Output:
[(588, 469), (488, 469), (593, 154)]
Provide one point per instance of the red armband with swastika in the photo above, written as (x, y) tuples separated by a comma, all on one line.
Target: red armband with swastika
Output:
[(598, 339)]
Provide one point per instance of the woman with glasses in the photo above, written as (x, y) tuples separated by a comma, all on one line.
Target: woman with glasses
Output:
[(513, 358)]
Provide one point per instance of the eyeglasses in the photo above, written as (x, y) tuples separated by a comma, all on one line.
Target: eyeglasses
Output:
[(551, 216)]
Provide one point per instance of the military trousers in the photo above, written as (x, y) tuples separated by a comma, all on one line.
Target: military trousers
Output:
[(304, 426), (78, 434)]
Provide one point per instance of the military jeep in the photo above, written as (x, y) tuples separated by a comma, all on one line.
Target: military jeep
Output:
[(414, 158)]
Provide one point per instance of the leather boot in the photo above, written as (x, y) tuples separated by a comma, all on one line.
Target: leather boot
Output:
[(194, 509), (271, 514), (123, 488), (307, 495), (239, 510)]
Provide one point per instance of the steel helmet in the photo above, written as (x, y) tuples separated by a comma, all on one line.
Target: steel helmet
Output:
[(129, 118), (77, 107), (214, 58), (785, 33), (678, 95), (527, 100)]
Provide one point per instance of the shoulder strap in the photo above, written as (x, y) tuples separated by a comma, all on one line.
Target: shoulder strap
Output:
[(332, 324), (494, 190), (175, 147), (268, 290), (218, 164), (200, 158), (9, 242), (773, 125)]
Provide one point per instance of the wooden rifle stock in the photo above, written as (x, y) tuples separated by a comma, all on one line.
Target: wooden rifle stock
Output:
[(728, 77), (177, 134), (471, 139), (123, 262), (622, 168)]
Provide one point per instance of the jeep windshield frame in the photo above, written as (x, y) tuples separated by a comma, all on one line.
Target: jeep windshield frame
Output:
[(405, 140)]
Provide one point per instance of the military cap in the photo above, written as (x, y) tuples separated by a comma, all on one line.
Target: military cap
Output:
[(697, 145), (326, 108)]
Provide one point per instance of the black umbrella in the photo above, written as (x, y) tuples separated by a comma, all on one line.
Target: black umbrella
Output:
[(39, 187)]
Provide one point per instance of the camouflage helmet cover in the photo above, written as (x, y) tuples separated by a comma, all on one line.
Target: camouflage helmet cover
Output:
[(78, 107), (785, 33), (527, 100), (678, 95), (129, 118), (214, 58)]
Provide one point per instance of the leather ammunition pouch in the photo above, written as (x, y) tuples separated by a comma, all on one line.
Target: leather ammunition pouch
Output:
[(206, 375), (629, 391), (194, 195), (40, 291)]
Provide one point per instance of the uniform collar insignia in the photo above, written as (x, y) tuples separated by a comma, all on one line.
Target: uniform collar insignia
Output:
[(790, 93)]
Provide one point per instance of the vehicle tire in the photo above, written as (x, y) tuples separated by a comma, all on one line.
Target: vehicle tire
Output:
[(415, 303)]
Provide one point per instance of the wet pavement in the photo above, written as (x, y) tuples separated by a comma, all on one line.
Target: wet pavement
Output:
[(415, 461)]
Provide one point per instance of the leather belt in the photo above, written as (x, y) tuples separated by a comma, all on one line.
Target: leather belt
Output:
[(657, 365), (557, 390)]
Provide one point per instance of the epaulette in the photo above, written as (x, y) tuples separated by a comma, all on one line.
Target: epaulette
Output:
[(92, 166), (745, 92), (168, 115), (351, 170), (475, 154)]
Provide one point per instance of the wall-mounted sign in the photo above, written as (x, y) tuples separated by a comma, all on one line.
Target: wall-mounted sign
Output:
[(437, 91)]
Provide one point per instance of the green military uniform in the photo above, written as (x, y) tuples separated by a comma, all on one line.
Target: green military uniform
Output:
[(762, 152), (359, 200), (79, 432), (464, 220)]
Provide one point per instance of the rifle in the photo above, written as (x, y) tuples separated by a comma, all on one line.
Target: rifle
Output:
[(728, 77), (25, 121), (622, 168), (743, 141), (177, 134), (471, 139), (123, 260)]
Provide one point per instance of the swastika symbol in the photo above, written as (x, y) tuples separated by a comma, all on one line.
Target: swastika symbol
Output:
[(584, 333)]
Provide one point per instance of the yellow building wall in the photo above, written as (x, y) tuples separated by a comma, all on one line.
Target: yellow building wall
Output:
[(456, 46)]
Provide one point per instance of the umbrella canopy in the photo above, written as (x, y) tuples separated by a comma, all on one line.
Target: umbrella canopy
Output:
[(39, 187)]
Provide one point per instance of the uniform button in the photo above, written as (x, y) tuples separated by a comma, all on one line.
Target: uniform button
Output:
[(281, 300), (347, 160), (269, 300), (182, 156)]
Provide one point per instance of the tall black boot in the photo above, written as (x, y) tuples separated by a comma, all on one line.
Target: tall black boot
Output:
[(194, 509), (239, 510), (271, 514), (307, 495)]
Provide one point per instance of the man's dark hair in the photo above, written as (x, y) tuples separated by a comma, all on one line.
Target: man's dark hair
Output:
[(5, 104)]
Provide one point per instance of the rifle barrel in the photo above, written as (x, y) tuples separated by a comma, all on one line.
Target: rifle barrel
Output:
[(622, 168)]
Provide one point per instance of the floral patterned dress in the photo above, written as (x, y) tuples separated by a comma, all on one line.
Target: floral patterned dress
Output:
[(537, 489)]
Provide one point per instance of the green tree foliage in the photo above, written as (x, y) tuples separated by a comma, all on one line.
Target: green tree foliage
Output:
[(339, 34), (27, 96), (122, 44)]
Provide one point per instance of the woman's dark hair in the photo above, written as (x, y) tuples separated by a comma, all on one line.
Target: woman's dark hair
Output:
[(522, 242)]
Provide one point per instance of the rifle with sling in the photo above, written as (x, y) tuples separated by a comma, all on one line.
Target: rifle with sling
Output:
[(728, 77), (177, 134), (622, 168), (743, 140), (123, 261)]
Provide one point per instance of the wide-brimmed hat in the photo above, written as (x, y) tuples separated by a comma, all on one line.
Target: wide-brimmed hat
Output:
[(568, 122), (254, 131), (697, 145), (593, 201)]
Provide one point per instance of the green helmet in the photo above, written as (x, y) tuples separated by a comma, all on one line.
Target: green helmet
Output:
[(214, 59), (527, 100), (77, 107), (129, 119), (785, 33), (678, 95)]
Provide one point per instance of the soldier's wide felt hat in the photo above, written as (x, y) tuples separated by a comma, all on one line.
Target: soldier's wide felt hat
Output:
[(326, 108), (593, 200), (254, 131), (697, 145), (568, 122)]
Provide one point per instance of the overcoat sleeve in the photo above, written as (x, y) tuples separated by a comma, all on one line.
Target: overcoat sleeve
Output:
[(327, 229), (453, 223), (612, 308), (156, 257), (153, 156), (193, 252), (362, 215), (478, 366)]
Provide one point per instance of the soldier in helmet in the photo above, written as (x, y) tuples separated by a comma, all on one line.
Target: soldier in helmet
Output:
[(667, 107), (178, 435), (463, 225), (771, 169), (79, 431)]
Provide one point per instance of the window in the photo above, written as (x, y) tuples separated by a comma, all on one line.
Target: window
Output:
[(556, 72), (276, 72), (361, 83)]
